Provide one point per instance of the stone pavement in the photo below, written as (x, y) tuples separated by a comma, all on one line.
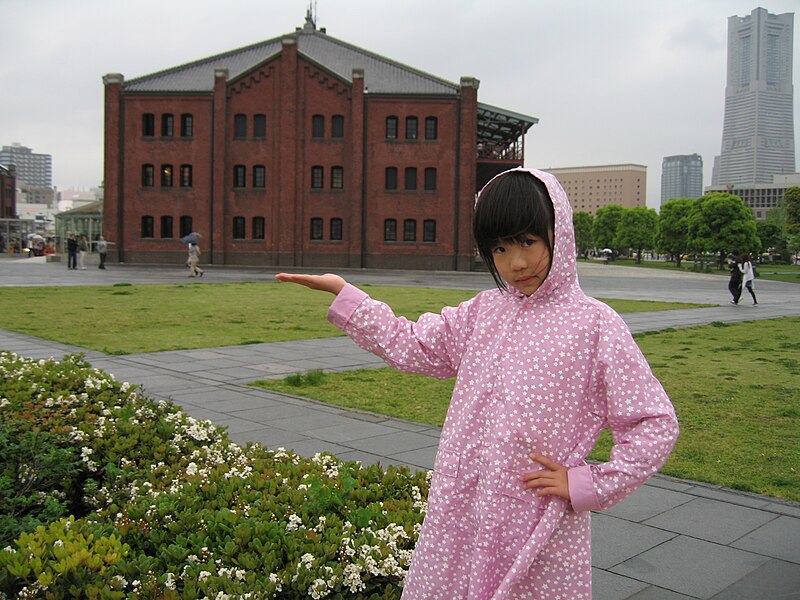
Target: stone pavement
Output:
[(671, 540)]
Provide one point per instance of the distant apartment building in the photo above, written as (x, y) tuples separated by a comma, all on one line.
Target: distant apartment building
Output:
[(33, 169), (758, 129), (681, 177), (8, 209), (761, 197), (590, 188)]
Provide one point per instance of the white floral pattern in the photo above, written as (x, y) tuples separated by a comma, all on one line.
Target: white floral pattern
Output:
[(543, 373)]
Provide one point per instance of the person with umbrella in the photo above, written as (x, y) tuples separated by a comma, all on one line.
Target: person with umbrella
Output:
[(193, 239)]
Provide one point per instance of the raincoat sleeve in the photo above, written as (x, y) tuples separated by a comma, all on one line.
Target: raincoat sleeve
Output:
[(640, 416), (430, 346)]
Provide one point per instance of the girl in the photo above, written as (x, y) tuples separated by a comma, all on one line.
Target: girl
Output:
[(746, 267), (540, 369)]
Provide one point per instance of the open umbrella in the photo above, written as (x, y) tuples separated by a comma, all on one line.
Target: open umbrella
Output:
[(34, 236), (191, 238)]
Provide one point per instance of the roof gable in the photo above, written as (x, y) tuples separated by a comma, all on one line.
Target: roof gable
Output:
[(381, 75)]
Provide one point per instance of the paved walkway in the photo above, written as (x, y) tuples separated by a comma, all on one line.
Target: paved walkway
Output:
[(672, 539)]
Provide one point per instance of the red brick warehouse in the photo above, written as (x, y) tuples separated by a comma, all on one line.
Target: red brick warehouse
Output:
[(302, 150)]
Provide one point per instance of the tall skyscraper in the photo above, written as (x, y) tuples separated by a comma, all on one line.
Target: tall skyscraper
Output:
[(758, 130), (681, 177), (32, 169)]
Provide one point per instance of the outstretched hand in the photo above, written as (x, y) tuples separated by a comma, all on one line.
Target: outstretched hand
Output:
[(327, 283), (550, 481)]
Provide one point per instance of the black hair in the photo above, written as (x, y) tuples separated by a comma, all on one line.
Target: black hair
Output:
[(509, 208)]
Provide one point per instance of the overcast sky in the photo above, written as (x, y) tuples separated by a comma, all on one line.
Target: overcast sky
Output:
[(618, 81)]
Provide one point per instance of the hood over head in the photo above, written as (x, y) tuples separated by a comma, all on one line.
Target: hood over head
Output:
[(563, 275)]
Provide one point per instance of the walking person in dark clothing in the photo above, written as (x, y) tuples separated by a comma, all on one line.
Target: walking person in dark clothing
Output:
[(735, 282), (72, 252)]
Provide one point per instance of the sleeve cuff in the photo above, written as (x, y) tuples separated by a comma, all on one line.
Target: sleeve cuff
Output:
[(581, 489), (344, 305)]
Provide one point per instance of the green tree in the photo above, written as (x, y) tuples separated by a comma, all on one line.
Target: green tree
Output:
[(637, 229), (770, 235), (792, 202), (720, 223), (671, 233), (604, 228), (582, 221)]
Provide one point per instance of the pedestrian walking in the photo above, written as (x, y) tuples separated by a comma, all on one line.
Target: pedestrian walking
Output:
[(102, 250), (748, 275), (194, 260), (72, 251), (83, 248), (540, 370), (735, 281)]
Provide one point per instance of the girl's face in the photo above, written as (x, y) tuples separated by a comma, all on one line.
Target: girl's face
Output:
[(525, 265)]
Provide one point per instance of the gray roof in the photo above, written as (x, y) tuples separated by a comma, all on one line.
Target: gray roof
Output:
[(381, 75)]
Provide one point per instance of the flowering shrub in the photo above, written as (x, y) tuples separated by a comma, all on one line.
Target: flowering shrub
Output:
[(171, 508)]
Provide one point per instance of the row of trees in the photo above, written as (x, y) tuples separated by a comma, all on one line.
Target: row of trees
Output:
[(716, 223)]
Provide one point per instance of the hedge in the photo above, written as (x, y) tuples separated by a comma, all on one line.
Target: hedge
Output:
[(105, 493)]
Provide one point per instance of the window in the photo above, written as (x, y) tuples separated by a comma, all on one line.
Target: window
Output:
[(429, 230), (258, 228), (337, 126), (318, 126), (238, 228), (391, 178), (411, 178), (260, 126), (411, 128), (186, 175), (316, 228), (430, 179), (239, 176), (185, 225), (148, 124), (336, 229), (148, 176), (431, 128), (316, 177), (391, 128), (166, 175), (187, 125), (259, 176), (337, 178), (409, 230), (166, 226), (390, 230), (147, 226), (167, 125), (240, 126)]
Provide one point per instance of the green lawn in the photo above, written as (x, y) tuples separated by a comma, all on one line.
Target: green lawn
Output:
[(124, 319), (736, 389)]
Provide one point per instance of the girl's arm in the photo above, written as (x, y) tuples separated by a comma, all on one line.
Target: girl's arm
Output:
[(430, 346), (640, 416)]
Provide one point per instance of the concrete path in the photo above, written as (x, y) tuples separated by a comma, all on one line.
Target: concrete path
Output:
[(672, 539)]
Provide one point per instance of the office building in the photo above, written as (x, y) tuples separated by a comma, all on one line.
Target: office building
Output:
[(762, 197), (681, 177), (758, 129), (8, 197), (33, 169), (590, 188), (302, 150)]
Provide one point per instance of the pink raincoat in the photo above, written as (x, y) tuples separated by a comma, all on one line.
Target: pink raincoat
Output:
[(542, 373)]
